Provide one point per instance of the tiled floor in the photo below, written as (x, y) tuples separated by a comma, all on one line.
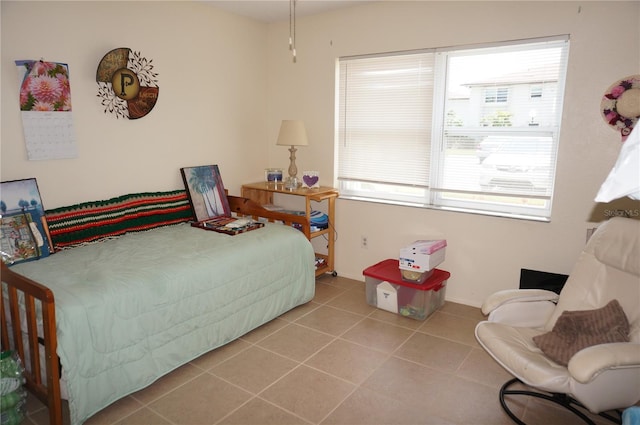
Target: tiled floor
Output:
[(335, 360)]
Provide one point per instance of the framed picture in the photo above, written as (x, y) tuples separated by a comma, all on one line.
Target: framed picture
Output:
[(206, 192), (24, 234)]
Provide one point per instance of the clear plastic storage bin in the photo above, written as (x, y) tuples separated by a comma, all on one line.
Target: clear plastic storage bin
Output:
[(386, 289)]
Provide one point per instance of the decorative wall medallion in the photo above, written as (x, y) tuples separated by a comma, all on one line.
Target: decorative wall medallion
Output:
[(620, 104), (127, 84)]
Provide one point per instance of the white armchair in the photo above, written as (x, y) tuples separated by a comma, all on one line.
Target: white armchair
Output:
[(601, 377)]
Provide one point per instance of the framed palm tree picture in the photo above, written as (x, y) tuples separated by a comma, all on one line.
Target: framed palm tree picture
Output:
[(206, 192)]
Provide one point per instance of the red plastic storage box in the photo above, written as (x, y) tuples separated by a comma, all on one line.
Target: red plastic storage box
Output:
[(387, 290)]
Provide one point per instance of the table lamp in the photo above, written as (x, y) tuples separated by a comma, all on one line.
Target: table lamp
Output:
[(292, 133)]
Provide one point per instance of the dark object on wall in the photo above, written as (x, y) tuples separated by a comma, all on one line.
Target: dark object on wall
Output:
[(534, 279), (127, 84)]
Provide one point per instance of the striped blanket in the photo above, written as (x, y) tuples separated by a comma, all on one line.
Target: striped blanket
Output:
[(94, 221)]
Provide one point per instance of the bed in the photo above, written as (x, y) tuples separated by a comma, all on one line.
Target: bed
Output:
[(110, 318)]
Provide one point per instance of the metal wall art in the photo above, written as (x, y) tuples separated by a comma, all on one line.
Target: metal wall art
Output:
[(127, 84)]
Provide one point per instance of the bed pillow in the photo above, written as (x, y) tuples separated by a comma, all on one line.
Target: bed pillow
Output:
[(98, 220), (576, 330)]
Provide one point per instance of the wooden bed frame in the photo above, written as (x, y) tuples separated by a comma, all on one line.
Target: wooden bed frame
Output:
[(17, 287), (38, 297)]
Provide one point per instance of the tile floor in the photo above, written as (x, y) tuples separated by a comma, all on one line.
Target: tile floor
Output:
[(335, 360)]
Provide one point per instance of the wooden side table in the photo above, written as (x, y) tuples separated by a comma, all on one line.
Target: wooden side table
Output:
[(262, 193)]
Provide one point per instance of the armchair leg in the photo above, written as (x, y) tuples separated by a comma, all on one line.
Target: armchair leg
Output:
[(559, 399)]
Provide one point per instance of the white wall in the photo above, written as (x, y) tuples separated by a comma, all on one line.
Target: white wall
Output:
[(226, 82), (484, 254), (211, 107)]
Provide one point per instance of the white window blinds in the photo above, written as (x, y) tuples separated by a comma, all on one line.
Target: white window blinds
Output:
[(385, 118)]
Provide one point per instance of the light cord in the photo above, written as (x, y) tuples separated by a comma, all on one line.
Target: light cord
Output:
[(292, 29)]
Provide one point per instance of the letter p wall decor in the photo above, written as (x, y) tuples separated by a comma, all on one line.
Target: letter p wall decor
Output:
[(127, 84)]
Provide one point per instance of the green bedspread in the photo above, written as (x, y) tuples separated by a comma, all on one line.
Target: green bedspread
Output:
[(133, 309)]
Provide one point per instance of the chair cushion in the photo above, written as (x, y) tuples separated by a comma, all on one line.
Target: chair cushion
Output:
[(576, 330), (513, 348)]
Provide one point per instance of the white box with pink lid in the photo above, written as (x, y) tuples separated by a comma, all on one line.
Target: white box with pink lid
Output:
[(421, 256)]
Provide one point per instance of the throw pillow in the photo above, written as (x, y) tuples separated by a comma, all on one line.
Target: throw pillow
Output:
[(576, 330)]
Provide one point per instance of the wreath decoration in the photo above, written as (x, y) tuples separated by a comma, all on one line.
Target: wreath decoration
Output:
[(127, 84), (620, 105)]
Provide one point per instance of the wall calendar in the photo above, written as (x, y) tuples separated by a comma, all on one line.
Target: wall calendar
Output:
[(45, 105)]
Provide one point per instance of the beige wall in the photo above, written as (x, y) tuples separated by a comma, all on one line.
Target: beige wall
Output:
[(227, 81), (211, 107), (484, 254)]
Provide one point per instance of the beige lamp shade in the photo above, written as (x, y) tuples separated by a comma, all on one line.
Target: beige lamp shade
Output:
[(292, 133)]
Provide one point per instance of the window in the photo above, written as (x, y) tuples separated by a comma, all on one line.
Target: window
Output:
[(455, 128), (536, 92), (496, 95)]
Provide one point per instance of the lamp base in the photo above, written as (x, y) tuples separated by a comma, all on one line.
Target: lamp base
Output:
[(291, 183)]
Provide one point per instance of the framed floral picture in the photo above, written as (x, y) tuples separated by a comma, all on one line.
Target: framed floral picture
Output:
[(206, 192), (24, 234)]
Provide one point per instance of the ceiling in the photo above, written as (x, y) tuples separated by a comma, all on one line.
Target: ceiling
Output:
[(278, 10)]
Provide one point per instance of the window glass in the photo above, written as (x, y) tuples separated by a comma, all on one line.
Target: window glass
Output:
[(469, 129)]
